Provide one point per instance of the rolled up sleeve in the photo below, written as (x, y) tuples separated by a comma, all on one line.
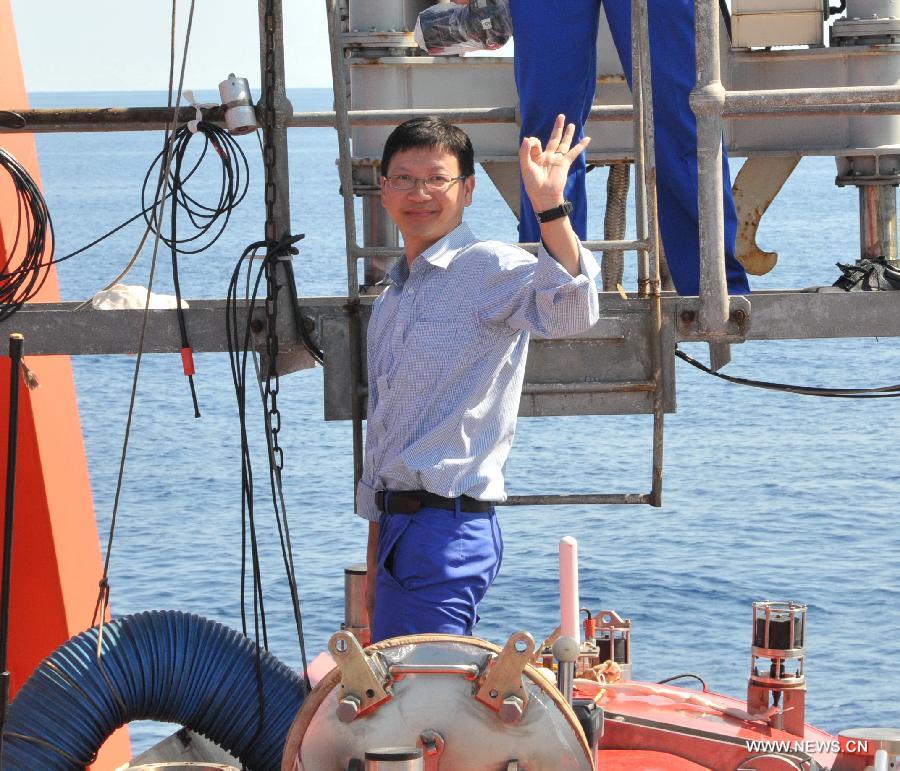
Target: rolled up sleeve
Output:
[(539, 295), (365, 501)]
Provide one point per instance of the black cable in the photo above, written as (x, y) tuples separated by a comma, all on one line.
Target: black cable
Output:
[(883, 392), (207, 221), (12, 120), (268, 388), (238, 351), (203, 217), (240, 347), (25, 268), (112, 232), (726, 16), (682, 676), (159, 200), (303, 333)]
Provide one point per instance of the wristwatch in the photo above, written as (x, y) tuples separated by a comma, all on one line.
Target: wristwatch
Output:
[(557, 212)]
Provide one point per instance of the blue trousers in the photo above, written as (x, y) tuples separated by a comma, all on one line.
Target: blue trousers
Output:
[(555, 69), (433, 568)]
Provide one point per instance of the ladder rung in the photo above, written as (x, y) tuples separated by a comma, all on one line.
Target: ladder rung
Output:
[(591, 246), (533, 389), (551, 500), (536, 389)]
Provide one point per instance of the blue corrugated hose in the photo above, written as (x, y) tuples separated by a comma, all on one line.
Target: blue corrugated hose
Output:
[(160, 665)]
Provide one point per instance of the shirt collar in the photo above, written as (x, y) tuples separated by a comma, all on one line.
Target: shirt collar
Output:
[(440, 254)]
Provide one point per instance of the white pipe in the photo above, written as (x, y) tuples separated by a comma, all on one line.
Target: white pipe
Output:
[(568, 588)]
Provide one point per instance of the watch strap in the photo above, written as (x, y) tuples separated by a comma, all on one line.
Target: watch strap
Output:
[(557, 212)]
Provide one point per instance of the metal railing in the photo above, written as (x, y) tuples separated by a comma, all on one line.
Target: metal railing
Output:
[(850, 100)]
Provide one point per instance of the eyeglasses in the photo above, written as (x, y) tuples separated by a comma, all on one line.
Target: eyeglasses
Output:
[(436, 183)]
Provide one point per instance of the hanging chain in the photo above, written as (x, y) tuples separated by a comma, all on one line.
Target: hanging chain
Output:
[(269, 121), (273, 249)]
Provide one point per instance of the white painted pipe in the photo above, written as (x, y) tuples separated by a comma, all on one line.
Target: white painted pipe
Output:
[(568, 588)]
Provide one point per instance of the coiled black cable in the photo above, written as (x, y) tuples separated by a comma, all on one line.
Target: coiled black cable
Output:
[(235, 176), (26, 263), (207, 221)]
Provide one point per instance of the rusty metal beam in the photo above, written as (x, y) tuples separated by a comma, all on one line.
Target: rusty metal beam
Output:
[(57, 328), (53, 120), (885, 100)]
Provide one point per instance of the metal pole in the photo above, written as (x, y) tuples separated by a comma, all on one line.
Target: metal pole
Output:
[(659, 413), (878, 221), (774, 101), (640, 149), (16, 346), (342, 124), (275, 151), (846, 100), (574, 500), (380, 231), (648, 137), (272, 60), (707, 102), (647, 226), (651, 288), (52, 120), (392, 253)]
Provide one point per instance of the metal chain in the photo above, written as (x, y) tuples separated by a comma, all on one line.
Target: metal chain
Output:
[(269, 121), (272, 238)]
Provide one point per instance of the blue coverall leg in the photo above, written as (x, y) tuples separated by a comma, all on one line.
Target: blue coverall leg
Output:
[(556, 72), (555, 68)]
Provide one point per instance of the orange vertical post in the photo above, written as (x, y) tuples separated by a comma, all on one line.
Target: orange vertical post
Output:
[(56, 562)]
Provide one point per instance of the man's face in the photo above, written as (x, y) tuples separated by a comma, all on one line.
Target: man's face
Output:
[(425, 216)]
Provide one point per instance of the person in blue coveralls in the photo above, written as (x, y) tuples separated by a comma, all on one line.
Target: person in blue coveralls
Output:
[(447, 342), (555, 70)]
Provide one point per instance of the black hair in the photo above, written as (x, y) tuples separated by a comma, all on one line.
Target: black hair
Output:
[(430, 131)]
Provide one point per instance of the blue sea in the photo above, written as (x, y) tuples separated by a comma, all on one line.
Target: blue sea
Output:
[(767, 495)]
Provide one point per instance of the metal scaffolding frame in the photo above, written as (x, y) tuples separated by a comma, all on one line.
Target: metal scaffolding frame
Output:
[(646, 244), (713, 316)]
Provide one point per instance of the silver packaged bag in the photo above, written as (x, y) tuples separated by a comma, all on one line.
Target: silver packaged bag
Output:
[(448, 28)]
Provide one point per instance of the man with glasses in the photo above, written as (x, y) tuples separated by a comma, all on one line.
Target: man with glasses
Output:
[(447, 343)]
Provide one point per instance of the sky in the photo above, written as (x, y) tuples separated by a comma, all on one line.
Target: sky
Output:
[(123, 45)]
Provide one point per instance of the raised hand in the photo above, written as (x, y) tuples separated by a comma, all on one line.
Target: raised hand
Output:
[(544, 171)]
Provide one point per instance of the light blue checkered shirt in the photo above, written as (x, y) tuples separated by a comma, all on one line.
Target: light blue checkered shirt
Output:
[(446, 356)]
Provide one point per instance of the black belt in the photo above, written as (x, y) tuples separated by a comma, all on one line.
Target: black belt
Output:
[(410, 501)]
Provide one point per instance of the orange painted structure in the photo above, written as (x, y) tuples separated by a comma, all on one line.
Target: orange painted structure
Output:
[(56, 554), (651, 727)]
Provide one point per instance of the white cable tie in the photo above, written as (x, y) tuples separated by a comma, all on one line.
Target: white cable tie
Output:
[(198, 106)]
